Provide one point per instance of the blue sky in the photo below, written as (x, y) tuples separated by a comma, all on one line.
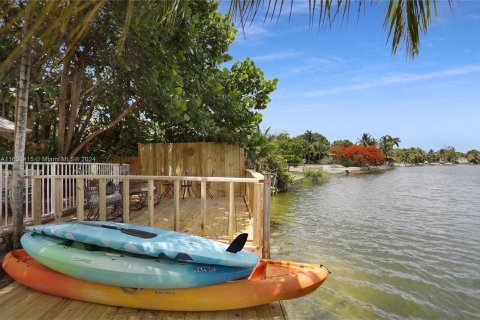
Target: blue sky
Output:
[(344, 81)]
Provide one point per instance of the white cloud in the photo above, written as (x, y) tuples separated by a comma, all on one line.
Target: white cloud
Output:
[(280, 55), (311, 64), (396, 79), (473, 17), (253, 34)]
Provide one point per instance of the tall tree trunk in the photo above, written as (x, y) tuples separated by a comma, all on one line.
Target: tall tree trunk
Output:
[(18, 179), (62, 101), (76, 89)]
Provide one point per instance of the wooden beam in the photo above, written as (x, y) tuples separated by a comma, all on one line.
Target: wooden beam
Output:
[(37, 201), (231, 212), (203, 205), (102, 199), (266, 216), (151, 204), (257, 214), (176, 208), (126, 199), (80, 184)]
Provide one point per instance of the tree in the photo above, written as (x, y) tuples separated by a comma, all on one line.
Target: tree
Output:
[(447, 154), (18, 179), (473, 156), (386, 144), (359, 156), (318, 146), (291, 149), (411, 155), (367, 141), (342, 143)]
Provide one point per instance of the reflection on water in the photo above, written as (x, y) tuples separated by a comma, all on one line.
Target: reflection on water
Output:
[(402, 244)]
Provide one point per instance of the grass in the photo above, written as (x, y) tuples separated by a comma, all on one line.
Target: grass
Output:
[(315, 176)]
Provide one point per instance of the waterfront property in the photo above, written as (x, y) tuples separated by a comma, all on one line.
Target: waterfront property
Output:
[(218, 208)]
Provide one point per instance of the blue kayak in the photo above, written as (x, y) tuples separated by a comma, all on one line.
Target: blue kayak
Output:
[(122, 269), (149, 241)]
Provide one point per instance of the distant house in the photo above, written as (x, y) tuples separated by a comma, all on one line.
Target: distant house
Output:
[(462, 160)]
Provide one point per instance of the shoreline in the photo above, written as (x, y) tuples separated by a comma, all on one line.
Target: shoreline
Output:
[(336, 169)]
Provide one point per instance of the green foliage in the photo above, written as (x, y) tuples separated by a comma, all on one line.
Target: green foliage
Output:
[(289, 148), (168, 79), (411, 155), (276, 165), (473, 156), (314, 175), (417, 155), (342, 143), (448, 154), (367, 140), (318, 146)]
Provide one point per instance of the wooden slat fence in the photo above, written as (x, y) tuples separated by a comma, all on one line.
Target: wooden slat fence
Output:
[(206, 159)]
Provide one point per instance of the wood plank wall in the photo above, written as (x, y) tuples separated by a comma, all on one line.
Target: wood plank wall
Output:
[(205, 159), (134, 163)]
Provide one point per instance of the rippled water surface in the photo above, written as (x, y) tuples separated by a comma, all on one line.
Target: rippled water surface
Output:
[(401, 244)]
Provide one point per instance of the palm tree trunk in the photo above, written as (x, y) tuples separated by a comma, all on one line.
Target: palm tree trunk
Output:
[(18, 179)]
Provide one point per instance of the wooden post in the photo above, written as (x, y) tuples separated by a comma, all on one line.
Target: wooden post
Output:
[(37, 201), (80, 199), (231, 211), (176, 208), (266, 215), (257, 208), (203, 205), (151, 204), (126, 199), (58, 198), (102, 199)]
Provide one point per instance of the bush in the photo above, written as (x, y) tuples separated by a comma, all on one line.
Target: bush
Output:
[(277, 166), (314, 175)]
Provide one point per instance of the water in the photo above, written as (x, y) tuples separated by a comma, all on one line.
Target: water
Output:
[(403, 244)]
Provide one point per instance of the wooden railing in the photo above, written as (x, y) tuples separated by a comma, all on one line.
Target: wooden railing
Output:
[(254, 197)]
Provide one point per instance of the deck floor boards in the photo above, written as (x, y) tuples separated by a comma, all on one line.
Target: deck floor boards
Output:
[(20, 302)]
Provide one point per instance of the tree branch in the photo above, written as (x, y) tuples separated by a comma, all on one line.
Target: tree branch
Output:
[(103, 129)]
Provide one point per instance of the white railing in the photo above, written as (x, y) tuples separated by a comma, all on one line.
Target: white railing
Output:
[(48, 195)]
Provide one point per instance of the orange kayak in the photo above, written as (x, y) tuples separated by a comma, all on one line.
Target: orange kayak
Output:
[(270, 281)]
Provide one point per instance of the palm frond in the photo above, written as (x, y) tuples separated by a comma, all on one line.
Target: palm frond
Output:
[(404, 22)]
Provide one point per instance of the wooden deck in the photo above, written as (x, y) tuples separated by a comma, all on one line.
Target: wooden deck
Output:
[(20, 302), (217, 217)]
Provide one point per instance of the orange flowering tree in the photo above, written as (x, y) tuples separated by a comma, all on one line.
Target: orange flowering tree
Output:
[(358, 156)]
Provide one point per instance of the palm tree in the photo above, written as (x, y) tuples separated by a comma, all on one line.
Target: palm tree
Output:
[(309, 136), (367, 141), (387, 142)]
